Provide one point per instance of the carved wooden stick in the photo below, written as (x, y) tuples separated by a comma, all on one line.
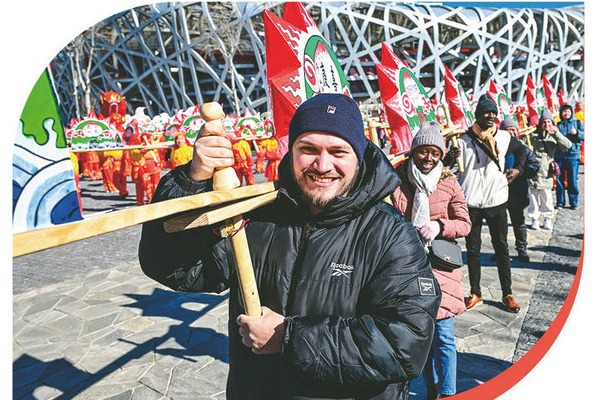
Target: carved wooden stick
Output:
[(226, 178), (57, 235), (373, 131), (397, 159), (223, 178), (198, 218), (527, 130), (452, 134)]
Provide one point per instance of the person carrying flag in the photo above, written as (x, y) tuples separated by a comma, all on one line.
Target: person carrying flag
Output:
[(483, 149), (349, 298)]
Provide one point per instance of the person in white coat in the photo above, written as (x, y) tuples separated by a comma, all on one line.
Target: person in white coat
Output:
[(484, 181)]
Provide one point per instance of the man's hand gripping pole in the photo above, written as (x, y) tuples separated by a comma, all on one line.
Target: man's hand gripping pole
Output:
[(226, 178), (451, 132)]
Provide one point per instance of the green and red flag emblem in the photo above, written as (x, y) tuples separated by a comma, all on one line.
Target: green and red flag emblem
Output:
[(300, 64), (505, 105), (405, 99), (536, 101), (459, 105)]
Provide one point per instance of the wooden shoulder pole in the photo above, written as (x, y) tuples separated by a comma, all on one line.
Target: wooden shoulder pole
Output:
[(57, 235), (226, 178), (373, 131), (452, 136)]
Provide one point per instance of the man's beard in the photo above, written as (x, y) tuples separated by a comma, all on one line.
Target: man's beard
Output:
[(320, 200)]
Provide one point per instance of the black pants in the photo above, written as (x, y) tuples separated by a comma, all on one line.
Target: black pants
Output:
[(517, 218), (497, 222)]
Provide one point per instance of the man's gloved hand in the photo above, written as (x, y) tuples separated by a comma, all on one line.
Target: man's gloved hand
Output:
[(429, 231)]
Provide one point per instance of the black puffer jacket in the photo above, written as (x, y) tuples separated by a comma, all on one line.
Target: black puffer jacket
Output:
[(354, 284)]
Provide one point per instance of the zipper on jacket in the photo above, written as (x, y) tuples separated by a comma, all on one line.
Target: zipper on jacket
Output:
[(297, 263)]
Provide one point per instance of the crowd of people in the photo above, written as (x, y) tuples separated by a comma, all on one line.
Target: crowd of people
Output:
[(396, 316), (354, 301), (147, 158)]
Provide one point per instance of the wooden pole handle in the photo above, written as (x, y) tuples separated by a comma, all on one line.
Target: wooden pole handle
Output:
[(194, 219), (226, 178), (459, 160), (56, 235), (373, 132), (244, 268), (223, 178)]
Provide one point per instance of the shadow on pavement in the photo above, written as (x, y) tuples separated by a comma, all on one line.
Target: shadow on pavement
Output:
[(472, 371), (30, 373)]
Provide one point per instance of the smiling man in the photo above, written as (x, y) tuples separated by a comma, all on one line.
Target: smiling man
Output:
[(349, 298), (485, 181)]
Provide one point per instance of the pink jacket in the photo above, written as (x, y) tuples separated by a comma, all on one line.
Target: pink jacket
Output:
[(448, 206)]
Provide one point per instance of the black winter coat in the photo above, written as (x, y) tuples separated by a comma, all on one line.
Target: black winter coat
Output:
[(518, 189), (354, 284)]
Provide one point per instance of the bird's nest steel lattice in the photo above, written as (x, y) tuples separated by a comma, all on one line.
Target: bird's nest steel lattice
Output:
[(169, 56)]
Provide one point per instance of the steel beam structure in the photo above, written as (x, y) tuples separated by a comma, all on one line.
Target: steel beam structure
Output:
[(169, 56)]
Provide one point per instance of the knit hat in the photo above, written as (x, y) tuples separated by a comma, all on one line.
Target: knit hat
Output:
[(509, 122), (484, 105), (430, 134), (333, 113), (546, 115)]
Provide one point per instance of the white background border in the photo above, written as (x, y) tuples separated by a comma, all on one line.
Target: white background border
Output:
[(33, 32)]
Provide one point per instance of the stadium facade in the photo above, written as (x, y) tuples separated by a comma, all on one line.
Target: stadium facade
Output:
[(170, 56)]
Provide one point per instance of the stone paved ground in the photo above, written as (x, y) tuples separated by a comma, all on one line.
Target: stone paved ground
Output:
[(87, 324)]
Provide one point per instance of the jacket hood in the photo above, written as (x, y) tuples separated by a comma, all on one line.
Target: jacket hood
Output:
[(376, 180)]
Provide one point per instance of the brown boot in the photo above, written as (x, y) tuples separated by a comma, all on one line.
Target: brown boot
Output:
[(473, 300), (511, 304)]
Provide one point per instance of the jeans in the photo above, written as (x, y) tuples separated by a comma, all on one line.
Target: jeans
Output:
[(440, 367), (569, 170), (497, 221)]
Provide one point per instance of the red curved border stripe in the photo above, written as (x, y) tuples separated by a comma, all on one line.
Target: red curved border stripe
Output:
[(512, 375)]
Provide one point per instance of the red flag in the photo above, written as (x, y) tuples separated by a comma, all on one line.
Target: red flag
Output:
[(561, 97), (300, 64), (296, 14), (535, 101), (404, 98), (551, 96), (459, 105), (504, 103)]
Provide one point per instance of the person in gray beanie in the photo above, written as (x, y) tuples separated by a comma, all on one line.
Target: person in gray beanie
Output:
[(484, 181), (546, 142), (430, 134), (509, 122), (431, 198), (348, 296)]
